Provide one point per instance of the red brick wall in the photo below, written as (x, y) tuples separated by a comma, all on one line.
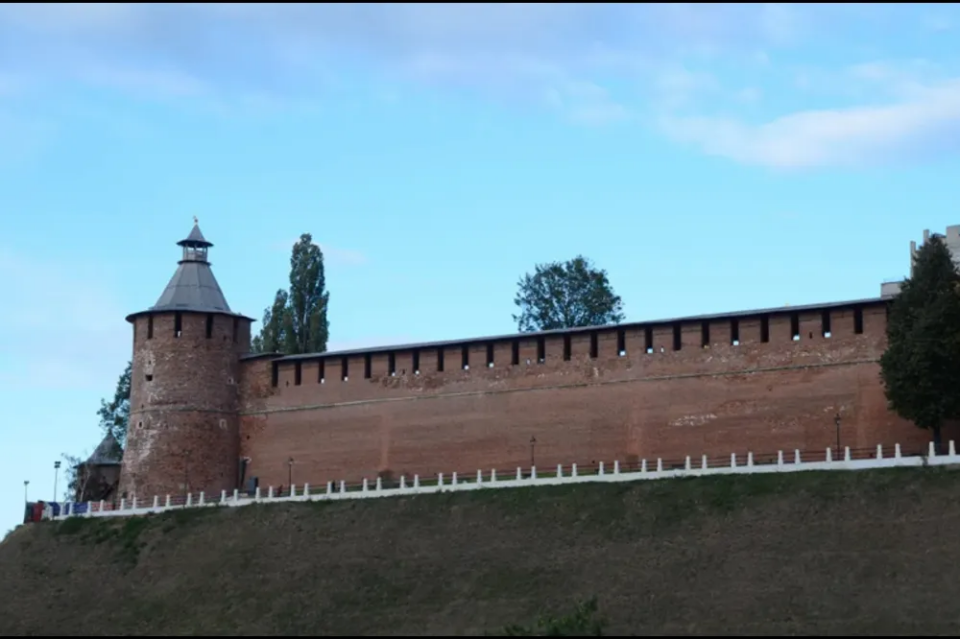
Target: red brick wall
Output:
[(183, 431), (715, 400)]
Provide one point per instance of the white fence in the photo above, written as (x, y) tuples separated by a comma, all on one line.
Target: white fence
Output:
[(522, 478)]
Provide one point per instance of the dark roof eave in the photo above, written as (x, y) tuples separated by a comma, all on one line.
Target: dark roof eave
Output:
[(187, 309), (780, 310)]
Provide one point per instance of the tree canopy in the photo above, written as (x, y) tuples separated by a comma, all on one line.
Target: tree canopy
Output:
[(115, 414), (296, 322), (921, 365), (566, 295)]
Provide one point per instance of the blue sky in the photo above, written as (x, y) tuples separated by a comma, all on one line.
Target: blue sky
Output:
[(710, 157)]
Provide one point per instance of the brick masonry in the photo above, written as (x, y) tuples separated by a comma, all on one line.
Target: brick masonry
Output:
[(183, 432), (709, 397)]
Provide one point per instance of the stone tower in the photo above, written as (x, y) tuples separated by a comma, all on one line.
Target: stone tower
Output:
[(183, 434)]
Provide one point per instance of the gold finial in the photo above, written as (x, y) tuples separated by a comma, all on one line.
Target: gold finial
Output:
[(195, 221)]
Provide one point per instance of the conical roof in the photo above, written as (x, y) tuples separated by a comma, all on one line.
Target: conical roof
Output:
[(108, 453), (195, 238), (193, 287)]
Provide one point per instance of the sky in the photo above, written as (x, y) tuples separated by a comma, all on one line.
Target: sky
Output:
[(710, 158)]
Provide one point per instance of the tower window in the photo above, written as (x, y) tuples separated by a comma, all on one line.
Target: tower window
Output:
[(541, 349), (489, 354), (150, 327), (177, 324), (344, 369), (566, 348), (297, 373), (621, 343), (440, 352), (367, 366), (594, 346), (677, 337), (735, 332), (858, 320), (825, 323), (416, 361), (236, 328), (648, 339), (391, 364), (465, 357), (795, 327), (515, 352), (275, 374), (705, 334), (209, 325), (765, 329), (321, 370)]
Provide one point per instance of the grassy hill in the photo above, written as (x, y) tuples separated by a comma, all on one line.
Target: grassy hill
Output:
[(846, 553)]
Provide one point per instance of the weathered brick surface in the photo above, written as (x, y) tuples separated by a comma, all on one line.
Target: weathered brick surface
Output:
[(183, 432), (756, 396)]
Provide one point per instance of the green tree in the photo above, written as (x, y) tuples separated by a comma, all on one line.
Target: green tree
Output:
[(566, 295), (584, 621), (115, 414), (297, 321), (272, 337), (920, 368)]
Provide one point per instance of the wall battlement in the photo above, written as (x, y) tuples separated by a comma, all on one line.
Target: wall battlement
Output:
[(374, 372)]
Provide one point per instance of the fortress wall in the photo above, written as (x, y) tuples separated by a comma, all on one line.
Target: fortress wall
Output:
[(630, 392)]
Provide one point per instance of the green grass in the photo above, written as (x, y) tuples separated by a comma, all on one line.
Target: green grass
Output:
[(785, 553)]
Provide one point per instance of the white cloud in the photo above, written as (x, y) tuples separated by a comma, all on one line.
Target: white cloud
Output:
[(590, 63), (928, 122)]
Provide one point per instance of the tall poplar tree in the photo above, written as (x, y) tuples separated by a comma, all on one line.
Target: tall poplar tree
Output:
[(921, 366), (297, 321)]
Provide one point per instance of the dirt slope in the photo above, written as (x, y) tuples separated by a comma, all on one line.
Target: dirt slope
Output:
[(869, 553)]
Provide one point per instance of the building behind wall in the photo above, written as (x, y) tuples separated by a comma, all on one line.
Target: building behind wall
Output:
[(951, 239), (208, 415)]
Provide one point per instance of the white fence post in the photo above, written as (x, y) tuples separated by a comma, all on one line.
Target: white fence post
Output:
[(203, 499), (779, 458), (846, 453), (616, 467), (601, 469), (560, 469), (829, 457), (533, 472), (749, 459), (236, 495), (156, 501), (686, 463), (165, 505), (896, 451), (796, 456), (733, 460), (573, 470)]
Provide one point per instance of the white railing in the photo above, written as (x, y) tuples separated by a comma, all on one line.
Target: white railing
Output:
[(521, 478)]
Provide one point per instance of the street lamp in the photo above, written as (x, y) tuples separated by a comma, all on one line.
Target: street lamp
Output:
[(533, 443), (56, 476), (836, 421), (26, 482)]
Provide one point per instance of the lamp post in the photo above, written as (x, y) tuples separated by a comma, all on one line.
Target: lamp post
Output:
[(26, 482), (289, 473), (533, 443), (836, 421), (56, 476)]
